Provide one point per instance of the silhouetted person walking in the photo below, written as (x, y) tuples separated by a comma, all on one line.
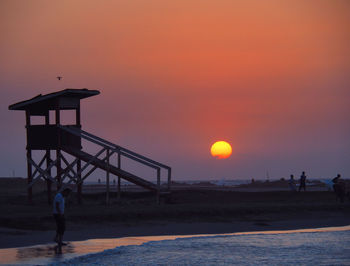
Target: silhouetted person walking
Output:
[(335, 180), (58, 214), (339, 188), (302, 181)]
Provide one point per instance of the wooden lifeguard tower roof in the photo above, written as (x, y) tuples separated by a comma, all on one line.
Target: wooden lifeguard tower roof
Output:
[(64, 99)]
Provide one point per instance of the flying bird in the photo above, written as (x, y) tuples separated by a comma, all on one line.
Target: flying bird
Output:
[(59, 78)]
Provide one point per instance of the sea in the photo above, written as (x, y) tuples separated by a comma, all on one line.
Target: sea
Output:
[(324, 246), (219, 182), (307, 247)]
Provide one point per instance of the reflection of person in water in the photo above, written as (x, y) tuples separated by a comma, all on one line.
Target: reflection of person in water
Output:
[(58, 214)]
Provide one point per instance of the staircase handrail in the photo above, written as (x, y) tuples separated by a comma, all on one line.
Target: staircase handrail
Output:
[(126, 150), (107, 144)]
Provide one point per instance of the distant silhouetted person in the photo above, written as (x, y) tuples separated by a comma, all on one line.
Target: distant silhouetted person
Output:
[(335, 180), (253, 181), (339, 187), (58, 214), (99, 181), (291, 183), (302, 181)]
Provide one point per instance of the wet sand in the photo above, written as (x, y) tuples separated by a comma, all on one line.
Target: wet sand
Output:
[(11, 237), (45, 254)]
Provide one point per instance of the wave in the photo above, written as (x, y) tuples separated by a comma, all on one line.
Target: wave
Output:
[(292, 247)]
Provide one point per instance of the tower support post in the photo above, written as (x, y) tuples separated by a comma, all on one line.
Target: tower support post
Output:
[(107, 179), (48, 181), (158, 186), (29, 165), (58, 152), (80, 183), (48, 161), (118, 187), (29, 177)]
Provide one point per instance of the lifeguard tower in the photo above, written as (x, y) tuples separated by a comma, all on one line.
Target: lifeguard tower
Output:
[(55, 140)]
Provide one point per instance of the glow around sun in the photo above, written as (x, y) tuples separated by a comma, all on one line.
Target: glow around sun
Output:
[(221, 149)]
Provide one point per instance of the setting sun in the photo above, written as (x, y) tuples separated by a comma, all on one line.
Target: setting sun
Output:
[(221, 150)]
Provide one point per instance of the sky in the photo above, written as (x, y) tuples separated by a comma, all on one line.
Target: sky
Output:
[(269, 77)]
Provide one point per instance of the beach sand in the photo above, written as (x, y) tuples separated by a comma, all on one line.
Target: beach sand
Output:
[(188, 211)]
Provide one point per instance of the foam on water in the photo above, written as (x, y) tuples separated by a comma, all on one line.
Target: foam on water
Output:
[(324, 247)]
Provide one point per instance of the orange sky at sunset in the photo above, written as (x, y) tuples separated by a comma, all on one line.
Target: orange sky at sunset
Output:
[(270, 77)]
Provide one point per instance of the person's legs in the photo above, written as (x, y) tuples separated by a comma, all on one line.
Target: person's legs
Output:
[(61, 227), (56, 237), (56, 217)]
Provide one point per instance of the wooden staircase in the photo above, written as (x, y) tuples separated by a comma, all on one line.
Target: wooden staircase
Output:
[(112, 169), (108, 149)]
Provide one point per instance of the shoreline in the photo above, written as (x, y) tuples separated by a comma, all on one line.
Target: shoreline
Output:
[(15, 238), (43, 254)]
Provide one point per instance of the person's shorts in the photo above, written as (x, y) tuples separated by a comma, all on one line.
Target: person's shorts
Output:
[(60, 223)]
